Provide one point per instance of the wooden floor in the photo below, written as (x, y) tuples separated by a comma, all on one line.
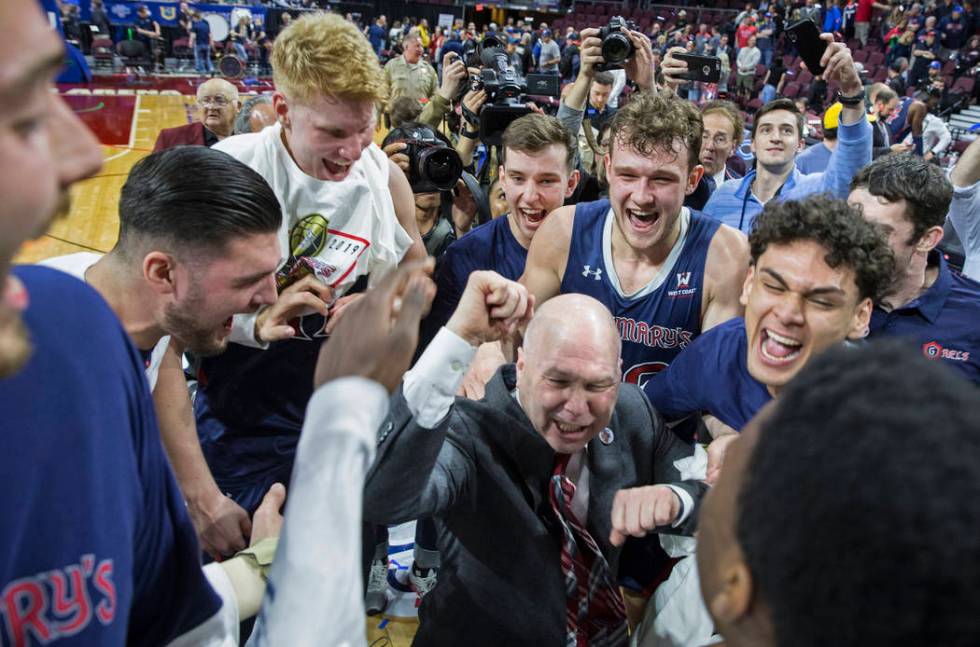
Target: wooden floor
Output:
[(127, 126)]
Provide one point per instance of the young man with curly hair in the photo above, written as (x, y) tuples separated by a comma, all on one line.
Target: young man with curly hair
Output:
[(817, 267), (666, 272)]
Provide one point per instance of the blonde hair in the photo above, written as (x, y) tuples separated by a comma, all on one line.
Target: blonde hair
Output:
[(322, 53)]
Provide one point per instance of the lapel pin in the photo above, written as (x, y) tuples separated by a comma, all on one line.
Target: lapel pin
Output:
[(606, 436)]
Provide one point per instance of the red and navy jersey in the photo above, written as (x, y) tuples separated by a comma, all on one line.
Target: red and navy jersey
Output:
[(97, 547), (898, 121), (664, 317), (944, 322)]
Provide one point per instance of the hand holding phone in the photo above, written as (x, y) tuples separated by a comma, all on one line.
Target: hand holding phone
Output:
[(805, 36)]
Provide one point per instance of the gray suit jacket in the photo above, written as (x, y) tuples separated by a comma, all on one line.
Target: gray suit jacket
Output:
[(483, 473)]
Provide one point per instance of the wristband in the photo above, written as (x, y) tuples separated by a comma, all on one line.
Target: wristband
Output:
[(853, 100), (261, 555), (469, 134)]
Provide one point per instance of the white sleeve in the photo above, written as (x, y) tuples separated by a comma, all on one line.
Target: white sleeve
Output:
[(315, 589), (430, 387), (243, 330), (964, 215), (221, 629)]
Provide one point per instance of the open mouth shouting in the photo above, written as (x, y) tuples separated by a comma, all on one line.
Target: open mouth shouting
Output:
[(533, 217), (778, 350), (642, 221), (335, 169)]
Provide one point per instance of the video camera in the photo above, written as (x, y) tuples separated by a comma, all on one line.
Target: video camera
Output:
[(617, 48), (506, 90), (433, 164)]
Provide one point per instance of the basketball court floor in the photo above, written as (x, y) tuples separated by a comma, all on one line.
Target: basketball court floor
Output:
[(127, 124)]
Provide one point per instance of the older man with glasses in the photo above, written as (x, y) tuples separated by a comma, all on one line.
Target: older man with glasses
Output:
[(218, 105)]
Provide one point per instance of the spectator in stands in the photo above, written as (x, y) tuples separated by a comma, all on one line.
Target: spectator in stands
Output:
[(772, 83), (217, 102), (928, 304), (816, 158), (898, 76), (201, 42), (550, 54), (964, 212), (832, 18), (810, 11), (722, 135), (702, 38), (813, 564), (901, 47), (70, 24), (101, 20), (765, 38), (148, 33), (256, 113), (377, 34), (924, 52), (748, 57), (408, 74), (953, 33), (883, 104), (746, 29), (936, 136), (777, 138), (862, 18), (240, 37)]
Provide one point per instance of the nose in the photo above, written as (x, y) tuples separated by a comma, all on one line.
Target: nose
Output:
[(352, 147), (267, 293), (76, 152), (577, 404), (530, 194), (789, 310)]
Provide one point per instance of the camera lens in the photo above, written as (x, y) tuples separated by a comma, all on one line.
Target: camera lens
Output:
[(616, 48), (440, 167)]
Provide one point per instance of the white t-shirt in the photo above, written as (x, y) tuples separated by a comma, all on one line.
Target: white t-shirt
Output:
[(77, 265), (349, 226)]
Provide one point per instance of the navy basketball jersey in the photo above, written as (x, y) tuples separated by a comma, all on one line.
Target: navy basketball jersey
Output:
[(662, 318), (898, 121)]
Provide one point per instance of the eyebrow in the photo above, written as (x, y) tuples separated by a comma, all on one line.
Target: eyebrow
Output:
[(824, 289), (251, 278), (43, 68)]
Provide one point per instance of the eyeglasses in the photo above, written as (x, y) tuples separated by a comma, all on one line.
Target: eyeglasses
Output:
[(216, 102)]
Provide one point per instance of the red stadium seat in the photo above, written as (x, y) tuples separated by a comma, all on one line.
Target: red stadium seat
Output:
[(876, 58), (791, 90), (963, 84), (860, 56), (804, 77)]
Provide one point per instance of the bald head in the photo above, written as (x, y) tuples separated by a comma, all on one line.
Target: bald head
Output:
[(568, 371), (575, 318), (218, 103)]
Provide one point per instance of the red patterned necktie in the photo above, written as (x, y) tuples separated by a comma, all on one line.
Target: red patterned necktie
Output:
[(594, 610)]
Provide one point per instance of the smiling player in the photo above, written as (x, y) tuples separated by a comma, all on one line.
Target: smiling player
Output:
[(664, 271), (817, 266)]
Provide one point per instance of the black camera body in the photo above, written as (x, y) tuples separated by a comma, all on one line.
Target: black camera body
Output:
[(506, 90), (617, 48), (433, 164)]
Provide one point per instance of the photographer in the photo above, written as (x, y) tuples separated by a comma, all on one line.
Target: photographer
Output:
[(639, 69)]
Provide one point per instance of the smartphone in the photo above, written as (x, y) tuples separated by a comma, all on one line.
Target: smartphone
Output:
[(701, 68), (805, 36)]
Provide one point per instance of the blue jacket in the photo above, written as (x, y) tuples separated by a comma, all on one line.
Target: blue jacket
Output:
[(734, 204)]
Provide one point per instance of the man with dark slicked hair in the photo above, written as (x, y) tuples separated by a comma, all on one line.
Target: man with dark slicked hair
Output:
[(843, 513), (197, 245)]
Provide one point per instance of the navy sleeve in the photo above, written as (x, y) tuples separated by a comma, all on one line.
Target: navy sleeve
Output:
[(172, 595), (450, 282), (674, 391)]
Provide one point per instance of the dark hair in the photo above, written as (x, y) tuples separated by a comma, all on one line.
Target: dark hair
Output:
[(780, 104), (905, 176), (404, 109), (603, 78), (856, 514), (657, 119), (533, 133), (850, 240), (194, 198)]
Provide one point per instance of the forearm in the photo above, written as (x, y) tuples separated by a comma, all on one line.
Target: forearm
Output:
[(967, 170), (316, 575), (435, 110), (466, 146), (179, 431), (579, 93)]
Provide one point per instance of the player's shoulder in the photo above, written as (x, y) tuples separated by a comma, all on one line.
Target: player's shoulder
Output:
[(248, 147), (729, 248)]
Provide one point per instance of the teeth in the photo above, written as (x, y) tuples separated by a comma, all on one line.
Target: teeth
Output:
[(785, 341), (773, 358), (566, 428), (642, 215)]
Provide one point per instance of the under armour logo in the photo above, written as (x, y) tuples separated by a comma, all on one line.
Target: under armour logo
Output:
[(588, 271), (683, 279)]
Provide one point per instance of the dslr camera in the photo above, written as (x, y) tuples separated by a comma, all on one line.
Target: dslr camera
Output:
[(433, 164), (506, 90), (617, 48)]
